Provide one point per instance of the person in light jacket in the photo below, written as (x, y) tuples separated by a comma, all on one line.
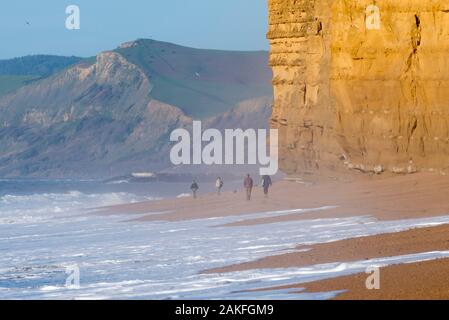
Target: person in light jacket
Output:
[(219, 185)]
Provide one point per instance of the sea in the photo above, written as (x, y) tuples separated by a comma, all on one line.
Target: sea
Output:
[(54, 246)]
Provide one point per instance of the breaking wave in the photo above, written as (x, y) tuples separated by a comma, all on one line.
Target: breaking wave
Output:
[(44, 206)]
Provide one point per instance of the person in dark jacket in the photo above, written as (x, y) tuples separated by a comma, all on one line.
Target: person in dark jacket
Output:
[(194, 187), (248, 185), (266, 184)]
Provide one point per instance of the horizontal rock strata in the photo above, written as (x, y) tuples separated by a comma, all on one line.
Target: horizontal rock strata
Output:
[(361, 84)]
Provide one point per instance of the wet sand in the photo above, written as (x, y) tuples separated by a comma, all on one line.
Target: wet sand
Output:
[(384, 198), (390, 198), (427, 280), (356, 249)]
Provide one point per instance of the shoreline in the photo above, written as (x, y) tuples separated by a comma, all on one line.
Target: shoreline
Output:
[(425, 280), (392, 198), (412, 241), (399, 198)]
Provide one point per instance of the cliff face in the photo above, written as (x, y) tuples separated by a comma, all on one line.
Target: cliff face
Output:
[(361, 86), (80, 91)]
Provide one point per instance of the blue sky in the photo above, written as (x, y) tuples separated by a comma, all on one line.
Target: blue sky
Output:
[(215, 24)]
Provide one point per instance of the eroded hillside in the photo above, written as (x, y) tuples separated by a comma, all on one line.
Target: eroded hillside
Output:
[(113, 115)]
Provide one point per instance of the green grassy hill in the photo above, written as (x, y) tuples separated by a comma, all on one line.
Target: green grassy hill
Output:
[(36, 65), (113, 114), (17, 72), (200, 82), (10, 83)]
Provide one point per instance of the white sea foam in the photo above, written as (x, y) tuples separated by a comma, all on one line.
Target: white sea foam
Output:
[(38, 208), (183, 195), (118, 182), (162, 260)]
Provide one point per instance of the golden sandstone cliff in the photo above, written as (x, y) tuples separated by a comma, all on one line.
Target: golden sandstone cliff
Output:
[(361, 84)]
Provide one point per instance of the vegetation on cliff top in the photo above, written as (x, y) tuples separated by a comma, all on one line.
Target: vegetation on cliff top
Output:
[(17, 72), (201, 82)]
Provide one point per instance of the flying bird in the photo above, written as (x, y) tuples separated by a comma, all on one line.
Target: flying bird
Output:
[(28, 23)]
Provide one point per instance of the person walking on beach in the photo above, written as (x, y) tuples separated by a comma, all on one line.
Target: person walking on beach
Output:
[(266, 184), (248, 185), (219, 185), (194, 187)]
